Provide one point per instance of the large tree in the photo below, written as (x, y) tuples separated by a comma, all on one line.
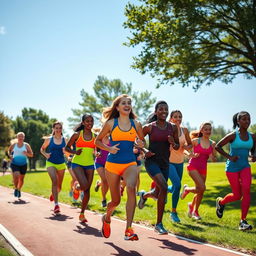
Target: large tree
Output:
[(193, 41), (35, 124), (105, 91)]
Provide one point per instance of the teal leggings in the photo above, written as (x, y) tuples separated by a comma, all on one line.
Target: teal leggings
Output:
[(175, 175)]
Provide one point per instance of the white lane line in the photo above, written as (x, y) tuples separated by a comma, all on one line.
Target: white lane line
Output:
[(21, 250)]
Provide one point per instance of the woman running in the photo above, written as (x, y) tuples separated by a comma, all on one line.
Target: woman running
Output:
[(83, 158), (161, 134), (123, 130), (238, 169), (55, 161), (177, 161), (18, 152), (203, 148), (100, 162)]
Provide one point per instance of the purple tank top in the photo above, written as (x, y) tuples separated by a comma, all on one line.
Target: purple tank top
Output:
[(103, 157), (200, 162), (159, 144)]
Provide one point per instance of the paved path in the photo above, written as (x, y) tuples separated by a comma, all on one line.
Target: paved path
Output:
[(32, 222)]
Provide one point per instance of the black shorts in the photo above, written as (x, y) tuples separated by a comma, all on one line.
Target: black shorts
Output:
[(17, 168)]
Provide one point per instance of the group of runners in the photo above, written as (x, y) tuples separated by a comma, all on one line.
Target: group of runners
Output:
[(115, 152)]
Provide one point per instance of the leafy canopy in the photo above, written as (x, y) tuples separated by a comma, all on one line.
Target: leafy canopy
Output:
[(106, 91), (193, 42)]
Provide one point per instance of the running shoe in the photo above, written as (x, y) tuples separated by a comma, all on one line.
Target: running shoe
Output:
[(97, 186), (139, 192), (104, 203), (190, 210), (15, 192), (184, 192), (130, 235), (174, 217), (105, 230), (18, 193), (56, 209), (159, 228), (76, 194), (196, 216), (142, 201), (243, 225), (82, 218), (219, 207), (51, 198)]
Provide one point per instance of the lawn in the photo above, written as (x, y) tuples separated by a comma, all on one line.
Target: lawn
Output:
[(223, 232)]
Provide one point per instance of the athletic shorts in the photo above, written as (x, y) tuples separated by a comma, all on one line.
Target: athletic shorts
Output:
[(84, 167), (58, 167), (118, 169), (153, 169), (98, 165), (19, 168), (191, 168)]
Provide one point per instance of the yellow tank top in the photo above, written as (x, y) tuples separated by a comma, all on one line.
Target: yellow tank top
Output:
[(86, 158)]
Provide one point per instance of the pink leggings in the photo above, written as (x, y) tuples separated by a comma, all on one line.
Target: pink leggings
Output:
[(240, 183)]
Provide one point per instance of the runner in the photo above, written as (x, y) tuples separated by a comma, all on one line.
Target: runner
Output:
[(177, 161), (55, 161), (162, 134), (83, 159), (123, 130), (238, 169), (203, 147), (100, 162), (4, 166), (18, 152)]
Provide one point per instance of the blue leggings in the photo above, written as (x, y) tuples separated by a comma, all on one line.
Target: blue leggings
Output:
[(175, 175)]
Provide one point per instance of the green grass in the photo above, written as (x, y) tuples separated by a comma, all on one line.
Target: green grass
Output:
[(5, 248), (223, 232)]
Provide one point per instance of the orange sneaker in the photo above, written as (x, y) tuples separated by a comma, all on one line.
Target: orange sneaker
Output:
[(51, 198), (82, 218), (76, 194), (56, 209), (105, 228), (130, 235)]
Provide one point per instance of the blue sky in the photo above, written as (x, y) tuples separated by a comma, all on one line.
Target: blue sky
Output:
[(52, 49)]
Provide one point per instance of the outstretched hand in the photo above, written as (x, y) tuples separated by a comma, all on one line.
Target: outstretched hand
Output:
[(114, 149), (79, 151), (149, 154), (234, 158)]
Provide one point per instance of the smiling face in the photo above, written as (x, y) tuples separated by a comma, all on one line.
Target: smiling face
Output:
[(176, 118), (206, 130), (88, 123), (57, 129), (20, 137), (162, 111), (125, 106), (244, 121)]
